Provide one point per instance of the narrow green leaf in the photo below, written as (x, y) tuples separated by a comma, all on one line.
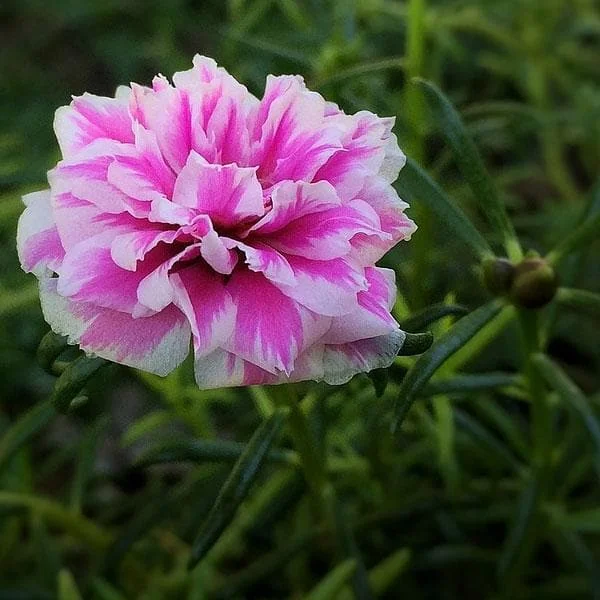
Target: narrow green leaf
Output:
[(583, 300), (85, 461), (429, 362), (22, 430), (47, 553), (331, 585), (418, 185), (145, 425), (416, 343), (486, 440), (237, 486), (572, 396), (586, 233), (67, 588), (361, 587), (383, 575), (72, 380), (198, 451), (465, 384), (431, 314), (379, 378), (50, 348), (520, 541), (582, 521), (471, 165), (105, 591), (59, 516)]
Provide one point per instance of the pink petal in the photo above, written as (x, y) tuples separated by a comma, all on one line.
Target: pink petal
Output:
[(327, 287), (287, 117), (38, 242), (308, 220), (202, 297), (271, 329), (156, 291), (157, 344), (86, 177), (262, 258), (372, 317), (342, 362), (166, 111), (89, 118), (127, 249), (143, 175), (219, 110), (227, 193), (89, 274), (365, 148), (383, 199)]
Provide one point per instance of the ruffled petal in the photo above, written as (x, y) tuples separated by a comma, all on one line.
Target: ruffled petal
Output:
[(89, 274), (341, 362), (38, 243), (309, 220), (271, 330), (327, 287), (89, 118), (202, 297), (372, 316), (227, 193), (157, 344)]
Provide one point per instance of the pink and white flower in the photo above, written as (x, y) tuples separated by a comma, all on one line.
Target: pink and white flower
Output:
[(195, 211)]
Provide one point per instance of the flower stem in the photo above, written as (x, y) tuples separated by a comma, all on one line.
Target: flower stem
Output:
[(312, 462), (522, 541)]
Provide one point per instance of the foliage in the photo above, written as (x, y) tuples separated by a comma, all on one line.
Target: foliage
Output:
[(488, 487)]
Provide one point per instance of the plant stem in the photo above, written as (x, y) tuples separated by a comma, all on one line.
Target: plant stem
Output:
[(312, 463), (415, 109), (528, 526)]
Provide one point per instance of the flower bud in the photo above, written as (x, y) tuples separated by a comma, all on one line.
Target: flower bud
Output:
[(498, 275), (534, 284)]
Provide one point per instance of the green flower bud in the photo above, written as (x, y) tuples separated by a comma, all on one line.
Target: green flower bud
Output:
[(498, 275), (535, 283)]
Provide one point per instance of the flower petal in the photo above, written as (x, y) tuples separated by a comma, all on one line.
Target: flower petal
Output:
[(166, 111), (309, 220), (372, 317), (202, 297), (38, 243), (327, 287), (342, 362), (89, 274), (89, 118), (157, 344), (227, 193), (284, 124), (271, 329)]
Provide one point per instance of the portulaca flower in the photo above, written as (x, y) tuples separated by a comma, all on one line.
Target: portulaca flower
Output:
[(195, 211)]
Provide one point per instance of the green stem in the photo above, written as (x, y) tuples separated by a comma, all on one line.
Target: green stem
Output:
[(58, 515), (529, 525), (312, 463), (415, 149)]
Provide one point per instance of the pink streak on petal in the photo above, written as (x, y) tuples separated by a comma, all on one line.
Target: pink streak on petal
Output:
[(202, 297), (372, 317), (328, 287), (89, 118), (38, 243), (157, 344), (89, 274), (271, 329), (227, 193)]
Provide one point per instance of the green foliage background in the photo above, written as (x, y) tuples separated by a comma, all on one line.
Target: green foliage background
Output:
[(448, 507)]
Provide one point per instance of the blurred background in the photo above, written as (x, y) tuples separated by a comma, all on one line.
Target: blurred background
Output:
[(525, 76)]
